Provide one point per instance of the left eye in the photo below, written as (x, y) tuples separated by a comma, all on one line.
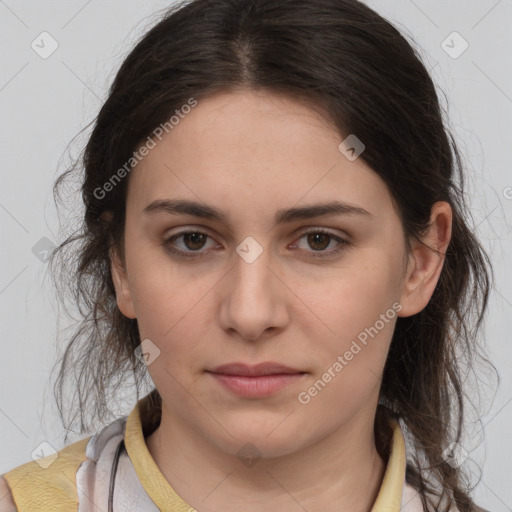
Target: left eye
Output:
[(319, 241)]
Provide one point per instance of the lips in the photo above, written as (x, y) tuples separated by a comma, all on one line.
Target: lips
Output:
[(256, 381), (266, 368)]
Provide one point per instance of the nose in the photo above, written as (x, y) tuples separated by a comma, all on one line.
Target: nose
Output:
[(253, 301)]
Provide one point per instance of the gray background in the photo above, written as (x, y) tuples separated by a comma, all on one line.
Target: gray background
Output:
[(45, 102)]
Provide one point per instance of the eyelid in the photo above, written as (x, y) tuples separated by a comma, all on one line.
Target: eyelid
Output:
[(318, 229)]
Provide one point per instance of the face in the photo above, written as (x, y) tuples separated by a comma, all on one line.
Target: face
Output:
[(266, 279)]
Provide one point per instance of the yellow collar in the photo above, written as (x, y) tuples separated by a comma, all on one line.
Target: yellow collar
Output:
[(160, 491)]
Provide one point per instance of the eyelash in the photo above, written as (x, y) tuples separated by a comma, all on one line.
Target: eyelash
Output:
[(342, 244)]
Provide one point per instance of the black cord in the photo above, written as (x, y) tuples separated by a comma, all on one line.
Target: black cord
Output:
[(120, 447)]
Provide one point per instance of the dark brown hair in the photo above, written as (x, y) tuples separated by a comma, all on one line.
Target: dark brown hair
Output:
[(345, 58)]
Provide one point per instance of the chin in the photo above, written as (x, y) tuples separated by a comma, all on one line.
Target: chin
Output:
[(268, 442)]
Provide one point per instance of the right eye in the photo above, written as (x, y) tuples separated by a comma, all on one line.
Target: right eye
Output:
[(191, 243)]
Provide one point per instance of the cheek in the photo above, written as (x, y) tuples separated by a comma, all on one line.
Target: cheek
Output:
[(173, 310), (349, 361), (355, 297), (165, 307), (161, 292), (358, 309)]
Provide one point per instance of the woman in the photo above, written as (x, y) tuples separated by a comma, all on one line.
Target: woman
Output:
[(274, 228)]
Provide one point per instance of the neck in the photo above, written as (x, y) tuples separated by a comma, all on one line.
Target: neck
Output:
[(342, 471)]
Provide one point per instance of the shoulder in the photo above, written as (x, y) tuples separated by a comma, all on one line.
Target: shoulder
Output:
[(55, 483), (6, 501), (43, 480)]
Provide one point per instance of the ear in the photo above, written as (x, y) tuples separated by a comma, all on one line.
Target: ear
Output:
[(120, 278), (426, 261)]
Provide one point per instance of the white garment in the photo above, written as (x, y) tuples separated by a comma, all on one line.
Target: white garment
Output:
[(93, 476)]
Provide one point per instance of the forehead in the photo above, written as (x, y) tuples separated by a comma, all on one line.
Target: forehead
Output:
[(255, 149)]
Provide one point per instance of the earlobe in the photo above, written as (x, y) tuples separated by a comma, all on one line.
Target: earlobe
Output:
[(426, 261), (123, 293)]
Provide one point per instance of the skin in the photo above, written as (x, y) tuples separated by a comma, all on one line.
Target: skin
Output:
[(250, 154), (6, 501)]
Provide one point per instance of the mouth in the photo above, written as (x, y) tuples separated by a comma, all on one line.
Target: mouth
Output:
[(255, 381), (261, 369)]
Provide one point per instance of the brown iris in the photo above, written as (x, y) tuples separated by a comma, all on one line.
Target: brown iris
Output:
[(318, 239), (194, 241)]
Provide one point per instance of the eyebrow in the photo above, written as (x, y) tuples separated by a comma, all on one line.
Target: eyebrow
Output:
[(285, 215)]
